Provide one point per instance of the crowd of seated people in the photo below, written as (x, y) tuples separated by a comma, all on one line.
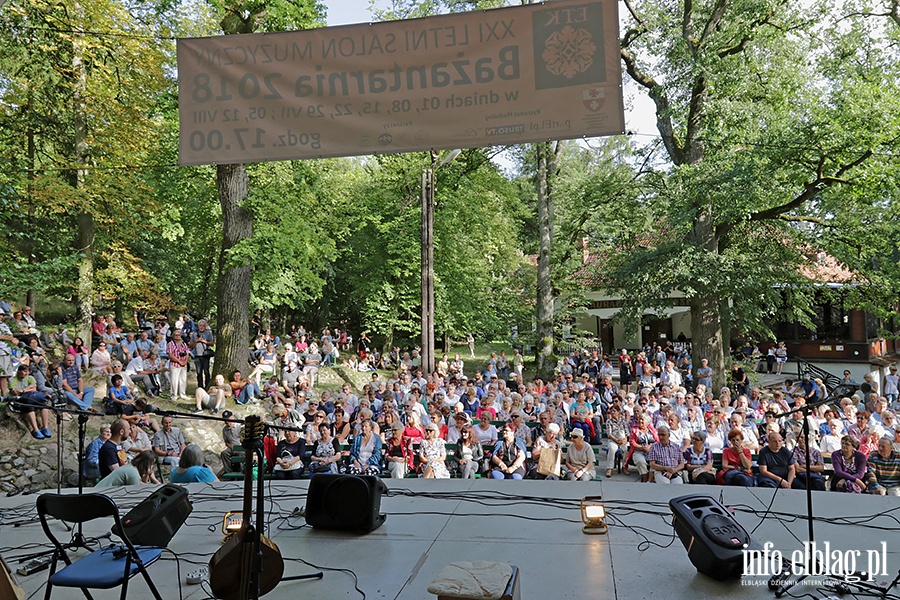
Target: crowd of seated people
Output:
[(468, 419), (449, 424), (446, 424)]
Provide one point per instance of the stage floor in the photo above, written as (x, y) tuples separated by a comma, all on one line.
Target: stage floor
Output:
[(531, 524)]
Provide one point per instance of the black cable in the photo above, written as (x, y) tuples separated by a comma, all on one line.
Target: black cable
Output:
[(350, 572), (768, 508), (91, 33), (40, 587), (639, 530), (510, 515), (177, 570), (204, 585)]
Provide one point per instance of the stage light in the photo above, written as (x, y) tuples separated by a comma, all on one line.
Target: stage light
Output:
[(593, 514)]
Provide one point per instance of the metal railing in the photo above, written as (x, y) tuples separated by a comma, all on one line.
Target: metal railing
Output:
[(805, 368)]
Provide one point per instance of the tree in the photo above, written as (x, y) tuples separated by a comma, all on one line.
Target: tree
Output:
[(235, 268), (479, 271), (546, 154), (763, 126), (76, 108)]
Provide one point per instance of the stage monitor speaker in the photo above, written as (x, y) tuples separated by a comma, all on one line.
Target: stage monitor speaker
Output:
[(345, 502), (155, 521), (712, 537)]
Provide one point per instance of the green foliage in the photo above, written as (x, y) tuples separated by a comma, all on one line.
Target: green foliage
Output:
[(784, 131), (289, 248), (481, 279), (414, 9), (50, 276), (783, 125), (124, 81), (252, 16)]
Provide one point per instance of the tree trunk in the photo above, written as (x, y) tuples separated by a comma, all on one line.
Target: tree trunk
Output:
[(32, 152), (206, 300), (706, 317), (546, 166), (388, 343), (84, 241), (233, 336)]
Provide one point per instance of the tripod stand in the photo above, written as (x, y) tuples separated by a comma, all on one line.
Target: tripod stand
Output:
[(40, 560)]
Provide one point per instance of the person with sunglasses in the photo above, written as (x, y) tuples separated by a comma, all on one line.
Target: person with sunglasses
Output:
[(469, 453), (101, 359), (508, 457), (860, 429), (326, 454), (433, 454), (698, 461), (642, 438)]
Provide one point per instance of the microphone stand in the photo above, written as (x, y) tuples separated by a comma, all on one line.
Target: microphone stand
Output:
[(59, 451), (78, 540), (777, 583)]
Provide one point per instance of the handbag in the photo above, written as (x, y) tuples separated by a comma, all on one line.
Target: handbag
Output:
[(548, 462)]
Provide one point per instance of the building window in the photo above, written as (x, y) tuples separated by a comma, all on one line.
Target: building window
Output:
[(831, 321)]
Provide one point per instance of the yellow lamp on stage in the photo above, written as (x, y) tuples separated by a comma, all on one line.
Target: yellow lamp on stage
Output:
[(593, 514)]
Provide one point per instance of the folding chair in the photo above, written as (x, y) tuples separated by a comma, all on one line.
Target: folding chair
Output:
[(105, 568)]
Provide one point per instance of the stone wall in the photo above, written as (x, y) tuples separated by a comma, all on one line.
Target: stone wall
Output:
[(35, 468)]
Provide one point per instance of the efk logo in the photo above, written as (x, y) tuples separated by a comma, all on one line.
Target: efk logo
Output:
[(569, 52), (568, 46)]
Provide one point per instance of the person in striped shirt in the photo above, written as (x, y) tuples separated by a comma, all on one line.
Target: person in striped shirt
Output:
[(665, 458), (883, 474)]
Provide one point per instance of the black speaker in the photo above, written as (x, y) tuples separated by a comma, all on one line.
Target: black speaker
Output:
[(713, 539), (155, 521), (345, 502)]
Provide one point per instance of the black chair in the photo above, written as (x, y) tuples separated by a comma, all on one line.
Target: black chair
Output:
[(105, 568)]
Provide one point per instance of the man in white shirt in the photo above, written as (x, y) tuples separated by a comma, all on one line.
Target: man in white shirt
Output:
[(141, 373), (751, 440), (670, 376)]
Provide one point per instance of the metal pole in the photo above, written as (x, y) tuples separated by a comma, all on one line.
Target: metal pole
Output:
[(427, 236)]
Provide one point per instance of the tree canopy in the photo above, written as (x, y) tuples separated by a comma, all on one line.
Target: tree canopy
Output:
[(778, 131)]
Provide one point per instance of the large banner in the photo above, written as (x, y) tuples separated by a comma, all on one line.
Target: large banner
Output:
[(502, 76)]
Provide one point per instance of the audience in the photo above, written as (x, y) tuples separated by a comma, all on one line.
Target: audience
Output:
[(669, 430), (139, 470)]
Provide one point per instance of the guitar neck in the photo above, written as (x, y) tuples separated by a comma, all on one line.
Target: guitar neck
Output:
[(252, 438)]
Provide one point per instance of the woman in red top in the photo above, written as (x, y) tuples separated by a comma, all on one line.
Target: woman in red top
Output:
[(642, 437), (486, 410), (414, 427), (438, 419), (736, 462)]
